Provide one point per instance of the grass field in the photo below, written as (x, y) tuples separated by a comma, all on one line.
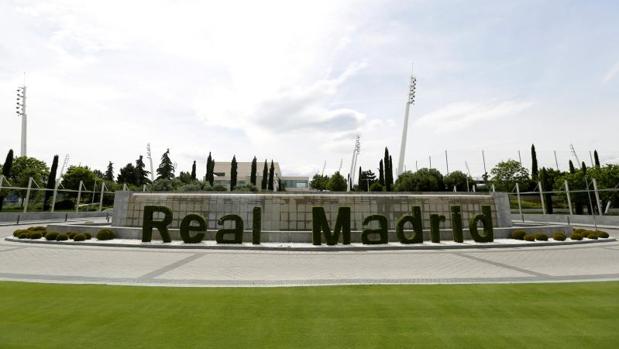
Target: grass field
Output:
[(577, 315)]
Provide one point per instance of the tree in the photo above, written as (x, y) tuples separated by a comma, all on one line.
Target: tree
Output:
[(6, 171), (534, 172), (109, 173), (548, 177), (185, 177), (425, 179), (166, 168), (271, 176), (210, 167), (25, 167), (381, 173), (193, 170), (127, 175), (51, 183), (583, 168), (506, 174), (252, 176), (233, 174), (141, 175), (596, 158), (457, 179), (366, 179), (572, 168), (319, 182), (71, 179), (337, 182), (265, 176), (388, 171)]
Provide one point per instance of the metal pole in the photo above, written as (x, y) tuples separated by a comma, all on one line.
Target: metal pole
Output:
[(54, 196), (79, 197), (597, 196), (595, 224), (416, 166), (591, 158), (124, 186), (101, 198), (519, 203), (403, 142), (446, 162), (143, 188), (493, 188), (94, 189), (519, 158), (27, 195), (483, 157), (569, 199), (541, 196), (430, 160), (556, 161)]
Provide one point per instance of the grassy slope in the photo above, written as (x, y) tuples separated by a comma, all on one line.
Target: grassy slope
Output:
[(580, 315)]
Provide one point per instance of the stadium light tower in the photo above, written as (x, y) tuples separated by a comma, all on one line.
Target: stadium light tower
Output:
[(409, 102), (21, 112)]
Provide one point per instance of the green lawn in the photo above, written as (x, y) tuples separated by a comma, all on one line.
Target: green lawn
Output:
[(578, 315)]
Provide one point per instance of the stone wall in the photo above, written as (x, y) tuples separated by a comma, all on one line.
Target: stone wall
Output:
[(293, 212)]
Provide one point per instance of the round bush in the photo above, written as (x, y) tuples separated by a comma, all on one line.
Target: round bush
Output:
[(71, 234), (24, 235), (62, 237), (105, 234), (18, 232), (37, 228), (603, 234), (593, 235), (518, 234), (541, 237), (559, 236), (576, 236), (51, 236), (79, 237), (529, 237), (36, 235), (87, 236)]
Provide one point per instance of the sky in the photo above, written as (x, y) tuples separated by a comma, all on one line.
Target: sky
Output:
[(297, 81)]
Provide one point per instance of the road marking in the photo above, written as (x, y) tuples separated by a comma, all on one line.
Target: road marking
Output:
[(169, 267), (503, 265)]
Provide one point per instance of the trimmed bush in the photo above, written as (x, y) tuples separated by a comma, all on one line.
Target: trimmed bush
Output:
[(518, 234), (18, 232), (71, 234), (24, 235), (62, 237), (559, 236), (529, 237), (79, 237), (603, 234), (87, 236), (51, 236), (593, 235), (37, 228), (576, 236), (105, 234), (541, 237), (36, 235)]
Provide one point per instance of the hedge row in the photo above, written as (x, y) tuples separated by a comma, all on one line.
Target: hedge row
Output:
[(578, 234), (40, 232)]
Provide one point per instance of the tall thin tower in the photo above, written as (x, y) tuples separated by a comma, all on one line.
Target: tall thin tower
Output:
[(353, 162), (409, 102), (21, 112)]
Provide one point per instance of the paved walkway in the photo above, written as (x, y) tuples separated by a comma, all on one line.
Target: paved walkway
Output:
[(171, 267)]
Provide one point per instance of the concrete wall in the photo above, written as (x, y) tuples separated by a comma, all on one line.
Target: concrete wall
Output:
[(612, 221), (11, 217), (293, 211)]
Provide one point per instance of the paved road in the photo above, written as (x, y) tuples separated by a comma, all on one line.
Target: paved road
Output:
[(170, 267)]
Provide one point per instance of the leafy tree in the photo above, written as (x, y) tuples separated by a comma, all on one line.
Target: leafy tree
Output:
[(25, 167), (51, 184), (319, 182), (337, 182), (506, 174), (166, 168), (366, 179), (265, 176), (168, 185), (185, 177), (252, 176), (381, 173), (233, 173), (457, 179), (210, 167), (71, 179), (6, 172), (109, 172), (376, 186), (271, 176), (534, 170), (425, 179), (596, 158), (98, 174), (127, 175), (141, 175), (193, 170)]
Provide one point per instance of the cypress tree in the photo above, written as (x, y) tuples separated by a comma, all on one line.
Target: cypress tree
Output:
[(6, 171), (193, 170), (583, 168), (271, 176), (596, 158), (359, 184), (233, 169), (534, 171), (252, 176), (210, 165), (265, 176), (388, 171), (109, 173), (381, 173), (51, 183), (166, 168), (572, 168)]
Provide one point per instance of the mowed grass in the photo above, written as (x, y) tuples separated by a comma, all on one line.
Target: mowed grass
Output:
[(575, 315)]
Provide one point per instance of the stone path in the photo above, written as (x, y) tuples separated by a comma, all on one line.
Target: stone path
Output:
[(174, 267)]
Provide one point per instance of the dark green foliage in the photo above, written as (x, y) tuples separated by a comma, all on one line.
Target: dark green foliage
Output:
[(127, 175), (79, 237), (603, 234), (237, 231), (35, 235), (109, 172), (541, 237), (51, 184), (518, 234), (252, 175), (193, 170), (17, 232), (529, 237), (265, 176), (416, 221), (321, 225), (423, 180), (210, 167), (105, 234), (366, 180), (24, 235), (558, 236), (141, 175), (388, 171), (576, 236), (162, 225), (37, 228), (583, 168), (457, 179), (319, 182), (6, 171), (456, 224), (383, 237), (71, 234), (376, 186), (233, 173), (572, 168), (534, 170), (549, 177), (271, 176), (435, 227), (166, 168), (186, 228), (51, 236), (62, 237), (87, 236), (596, 158), (593, 235), (381, 173), (506, 174), (256, 225), (486, 219), (337, 182)]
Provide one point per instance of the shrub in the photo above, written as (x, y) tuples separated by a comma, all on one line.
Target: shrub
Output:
[(541, 237), (518, 234), (529, 237), (24, 235), (603, 234), (35, 235), (71, 234), (62, 237), (37, 228), (18, 232), (51, 235), (64, 205), (593, 235), (79, 237), (576, 236), (559, 236), (87, 236), (105, 234)]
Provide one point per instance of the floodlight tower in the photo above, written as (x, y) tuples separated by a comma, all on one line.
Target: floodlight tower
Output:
[(409, 102), (150, 160), (353, 162), (21, 112)]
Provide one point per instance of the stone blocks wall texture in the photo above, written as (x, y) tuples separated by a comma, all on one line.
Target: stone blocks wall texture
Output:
[(293, 212)]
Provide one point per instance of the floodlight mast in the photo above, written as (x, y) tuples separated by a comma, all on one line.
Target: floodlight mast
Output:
[(21, 112), (409, 102), (150, 160)]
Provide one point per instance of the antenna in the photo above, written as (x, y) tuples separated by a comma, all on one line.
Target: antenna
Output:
[(21, 112), (150, 159), (323, 168), (412, 86), (64, 165), (341, 163), (574, 153)]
